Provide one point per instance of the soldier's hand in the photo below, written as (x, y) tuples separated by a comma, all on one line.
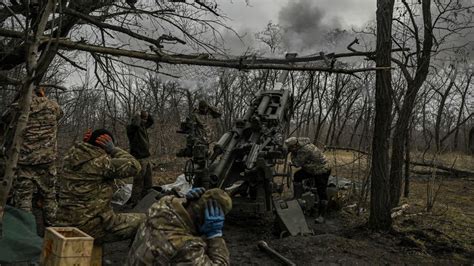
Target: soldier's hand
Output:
[(87, 135), (213, 220), (105, 142), (195, 193)]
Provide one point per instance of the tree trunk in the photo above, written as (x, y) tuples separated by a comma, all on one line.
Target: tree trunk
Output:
[(461, 107), (24, 105), (439, 114), (413, 86), (406, 191), (380, 218)]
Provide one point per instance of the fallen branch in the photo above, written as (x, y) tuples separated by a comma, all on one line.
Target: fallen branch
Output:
[(397, 211), (200, 60), (346, 149), (456, 171)]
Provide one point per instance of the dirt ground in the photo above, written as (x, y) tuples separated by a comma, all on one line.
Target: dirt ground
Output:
[(443, 236)]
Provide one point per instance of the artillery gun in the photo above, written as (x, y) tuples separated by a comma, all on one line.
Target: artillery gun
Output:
[(243, 161)]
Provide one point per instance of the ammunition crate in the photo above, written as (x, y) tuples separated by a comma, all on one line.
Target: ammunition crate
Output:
[(66, 246)]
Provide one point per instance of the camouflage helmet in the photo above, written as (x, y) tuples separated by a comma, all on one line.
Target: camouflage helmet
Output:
[(218, 195), (291, 142), (294, 143)]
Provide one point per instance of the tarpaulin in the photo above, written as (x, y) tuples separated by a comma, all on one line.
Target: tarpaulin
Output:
[(20, 243)]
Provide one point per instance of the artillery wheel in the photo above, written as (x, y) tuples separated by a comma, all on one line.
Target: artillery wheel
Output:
[(189, 170)]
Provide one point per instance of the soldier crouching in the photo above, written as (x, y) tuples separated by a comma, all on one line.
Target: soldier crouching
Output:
[(313, 165), (87, 186), (183, 231)]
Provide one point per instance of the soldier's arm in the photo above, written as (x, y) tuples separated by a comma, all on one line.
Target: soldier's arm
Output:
[(122, 165), (149, 122), (299, 159), (194, 253), (215, 113)]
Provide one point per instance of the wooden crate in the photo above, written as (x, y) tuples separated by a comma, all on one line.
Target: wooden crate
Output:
[(96, 259), (66, 246)]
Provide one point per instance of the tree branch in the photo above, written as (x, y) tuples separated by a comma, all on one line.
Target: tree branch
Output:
[(186, 59)]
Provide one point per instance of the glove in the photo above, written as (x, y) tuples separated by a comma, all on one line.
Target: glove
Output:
[(105, 142), (87, 135), (195, 193), (213, 220)]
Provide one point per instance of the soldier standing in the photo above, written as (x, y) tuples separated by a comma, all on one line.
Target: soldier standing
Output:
[(313, 165), (88, 183), (183, 231), (36, 163), (203, 117), (140, 149)]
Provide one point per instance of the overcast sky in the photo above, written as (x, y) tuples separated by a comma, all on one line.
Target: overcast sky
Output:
[(304, 18)]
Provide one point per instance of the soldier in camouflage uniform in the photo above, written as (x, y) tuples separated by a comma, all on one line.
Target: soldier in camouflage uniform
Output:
[(180, 231), (204, 117), (87, 185), (36, 163), (314, 165), (140, 148)]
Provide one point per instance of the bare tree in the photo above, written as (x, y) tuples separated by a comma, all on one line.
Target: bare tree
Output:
[(380, 218)]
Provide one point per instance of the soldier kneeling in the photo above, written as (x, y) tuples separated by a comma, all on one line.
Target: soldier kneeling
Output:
[(313, 165), (183, 231)]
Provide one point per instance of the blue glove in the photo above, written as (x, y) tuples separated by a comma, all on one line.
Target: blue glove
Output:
[(213, 220), (195, 193)]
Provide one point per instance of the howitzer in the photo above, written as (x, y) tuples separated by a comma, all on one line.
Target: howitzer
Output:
[(243, 160)]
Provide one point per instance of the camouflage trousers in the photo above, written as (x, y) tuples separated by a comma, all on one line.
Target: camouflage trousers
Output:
[(112, 227), (36, 178), (143, 181)]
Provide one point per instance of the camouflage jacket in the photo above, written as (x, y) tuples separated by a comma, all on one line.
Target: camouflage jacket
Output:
[(88, 182), (169, 237), (206, 125), (310, 159), (40, 135)]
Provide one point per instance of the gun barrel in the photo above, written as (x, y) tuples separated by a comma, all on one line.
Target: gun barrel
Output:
[(221, 144), (218, 172), (262, 245), (283, 103), (262, 107)]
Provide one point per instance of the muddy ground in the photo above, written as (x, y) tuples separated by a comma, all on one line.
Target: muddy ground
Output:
[(443, 236)]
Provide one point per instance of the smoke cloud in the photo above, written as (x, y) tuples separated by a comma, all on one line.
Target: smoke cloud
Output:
[(308, 26)]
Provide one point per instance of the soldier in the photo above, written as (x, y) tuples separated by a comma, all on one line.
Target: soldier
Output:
[(183, 231), (86, 187), (203, 117), (36, 162), (314, 165), (140, 149)]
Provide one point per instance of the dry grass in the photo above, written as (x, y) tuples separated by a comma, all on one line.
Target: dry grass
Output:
[(446, 231)]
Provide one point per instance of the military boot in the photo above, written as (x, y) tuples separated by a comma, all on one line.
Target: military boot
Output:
[(297, 190), (323, 205)]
